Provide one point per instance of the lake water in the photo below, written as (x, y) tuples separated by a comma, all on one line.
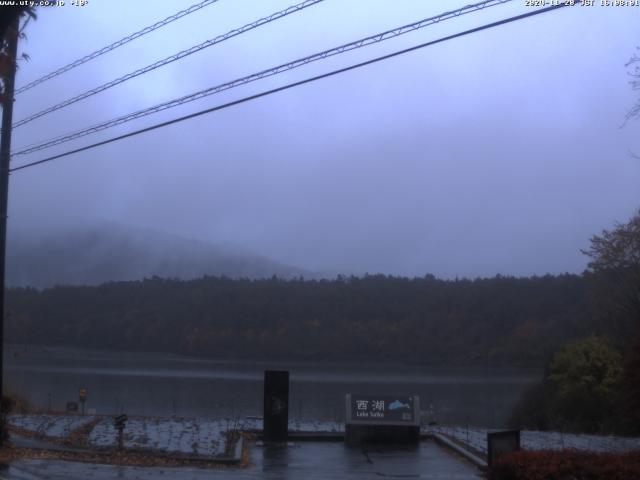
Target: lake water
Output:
[(164, 385)]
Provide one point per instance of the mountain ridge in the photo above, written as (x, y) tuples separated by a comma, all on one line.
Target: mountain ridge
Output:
[(109, 251)]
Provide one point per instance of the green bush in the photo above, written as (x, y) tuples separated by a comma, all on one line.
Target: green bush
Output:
[(580, 391)]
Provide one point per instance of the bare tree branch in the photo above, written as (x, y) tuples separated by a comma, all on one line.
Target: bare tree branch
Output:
[(634, 72)]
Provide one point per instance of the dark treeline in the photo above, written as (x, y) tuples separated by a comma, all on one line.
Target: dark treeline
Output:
[(501, 320)]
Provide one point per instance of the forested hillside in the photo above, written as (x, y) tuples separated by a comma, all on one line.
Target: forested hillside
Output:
[(111, 252), (501, 320)]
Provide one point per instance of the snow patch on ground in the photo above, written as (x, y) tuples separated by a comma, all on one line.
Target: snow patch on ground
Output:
[(207, 437), (296, 425), (309, 426), (190, 436), (476, 438), (50, 425)]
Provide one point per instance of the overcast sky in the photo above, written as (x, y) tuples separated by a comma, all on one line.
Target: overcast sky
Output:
[(499, 152)]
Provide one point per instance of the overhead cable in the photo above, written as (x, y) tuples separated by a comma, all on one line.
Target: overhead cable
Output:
[(170, 59), (292, 85), (377, 38), (114, 45)]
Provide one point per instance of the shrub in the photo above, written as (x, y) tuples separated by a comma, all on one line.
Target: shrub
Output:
[(580, 391), (566, 464)]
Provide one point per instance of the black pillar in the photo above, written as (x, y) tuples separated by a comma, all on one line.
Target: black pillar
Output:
[(11, 35), (276, 405)]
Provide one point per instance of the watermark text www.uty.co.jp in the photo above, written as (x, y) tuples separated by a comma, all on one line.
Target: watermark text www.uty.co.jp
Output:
[(43, 3)]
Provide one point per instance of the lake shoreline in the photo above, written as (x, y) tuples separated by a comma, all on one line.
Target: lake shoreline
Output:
[(13, 349), (167, 385)]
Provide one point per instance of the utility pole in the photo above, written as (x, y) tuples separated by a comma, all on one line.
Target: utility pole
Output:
[(5, 155)]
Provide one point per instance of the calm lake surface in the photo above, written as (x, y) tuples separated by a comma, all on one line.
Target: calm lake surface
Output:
[(164, 385)]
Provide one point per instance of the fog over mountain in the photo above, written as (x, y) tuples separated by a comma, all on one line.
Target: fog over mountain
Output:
[(499, 152), (108, 252)]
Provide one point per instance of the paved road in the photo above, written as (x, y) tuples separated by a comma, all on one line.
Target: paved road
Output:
[(303, 460)]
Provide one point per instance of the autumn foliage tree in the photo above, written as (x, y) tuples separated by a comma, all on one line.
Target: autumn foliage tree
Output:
[(589, 385), (615, 270)]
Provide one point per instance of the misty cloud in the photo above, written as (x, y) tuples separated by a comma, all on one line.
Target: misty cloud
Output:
[(499, 152)]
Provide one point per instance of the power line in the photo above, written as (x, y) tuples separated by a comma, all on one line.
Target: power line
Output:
[(292, 85), (170, 59), (377, 38), (114, 45)]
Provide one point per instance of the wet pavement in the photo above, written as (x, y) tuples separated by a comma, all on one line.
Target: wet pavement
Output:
[(297, 460)]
